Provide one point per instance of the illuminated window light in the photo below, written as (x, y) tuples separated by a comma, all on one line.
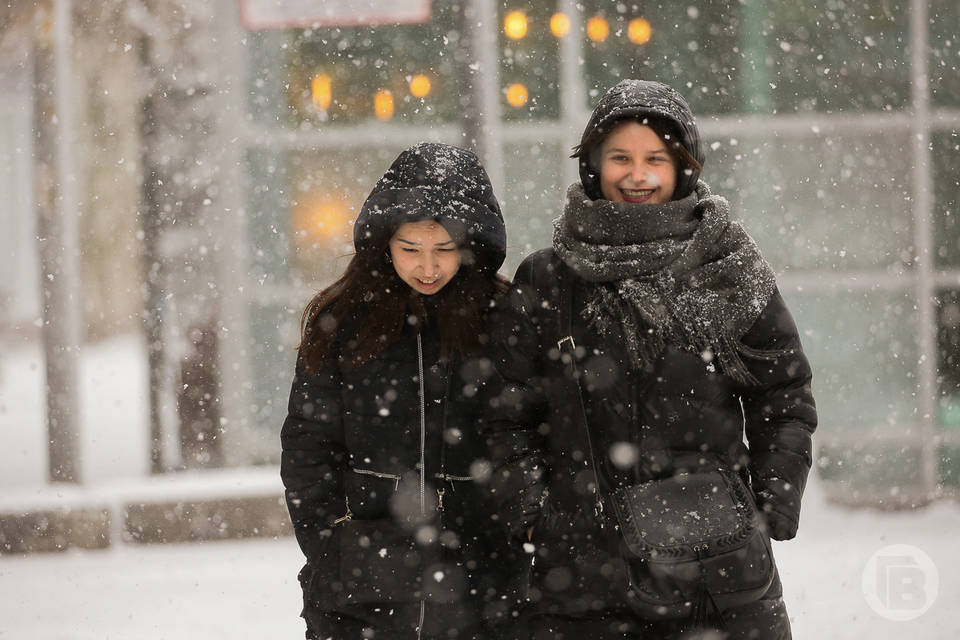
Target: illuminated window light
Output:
[(559, 25), (515, 25), (321, 91), (598, 29), (419, 86), (383, 105), (321, 220), (639, 31), (517, 95)]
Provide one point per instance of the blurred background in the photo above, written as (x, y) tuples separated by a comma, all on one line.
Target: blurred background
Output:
[(177, 177)]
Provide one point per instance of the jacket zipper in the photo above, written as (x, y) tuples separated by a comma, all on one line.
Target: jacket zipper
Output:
[(423, 431), (423, 462), (449, 477), (378, 474), (423, 607), (348, 515)]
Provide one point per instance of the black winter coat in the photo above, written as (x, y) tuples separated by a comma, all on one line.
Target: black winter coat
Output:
[(385, 467), (681, 404)]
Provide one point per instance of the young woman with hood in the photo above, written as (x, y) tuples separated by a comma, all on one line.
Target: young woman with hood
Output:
[(385, 459), (682, 346)]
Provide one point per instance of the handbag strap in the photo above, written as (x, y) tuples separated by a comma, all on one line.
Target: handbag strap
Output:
[(567, 345)]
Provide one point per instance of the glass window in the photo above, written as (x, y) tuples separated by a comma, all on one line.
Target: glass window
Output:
[(302, 206), (863, 350), (876, 473), (775, 56), (835, 56), (532, 199), (350, 75), (948, 382), (274, 335), (950, 466), (944, 60), (529, 61), (328, 189), (832, 202), (268, 211), (948, 358), (946, 214), (692, 46)]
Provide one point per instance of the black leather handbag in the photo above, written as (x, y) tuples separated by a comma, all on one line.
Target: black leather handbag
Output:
[(690, 541)]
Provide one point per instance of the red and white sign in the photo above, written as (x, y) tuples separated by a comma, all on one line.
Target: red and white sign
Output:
[(259, 15)]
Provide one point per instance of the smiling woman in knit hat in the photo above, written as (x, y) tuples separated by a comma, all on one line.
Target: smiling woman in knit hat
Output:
[(653, 347), (384, 454)]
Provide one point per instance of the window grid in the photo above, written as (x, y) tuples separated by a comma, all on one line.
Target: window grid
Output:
[(922, 278)]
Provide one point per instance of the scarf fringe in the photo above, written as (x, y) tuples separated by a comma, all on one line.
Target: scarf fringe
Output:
[(644, 346), (701, 295)]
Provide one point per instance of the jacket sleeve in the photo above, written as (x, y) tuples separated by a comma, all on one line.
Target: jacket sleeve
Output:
[(313, 458), (516, 439), (780, 417)]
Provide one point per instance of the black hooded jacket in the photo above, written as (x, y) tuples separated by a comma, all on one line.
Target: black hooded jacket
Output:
[(385, 464), (433, 181), (645, 423)]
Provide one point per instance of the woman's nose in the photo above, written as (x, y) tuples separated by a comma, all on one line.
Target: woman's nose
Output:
[(428, 263)]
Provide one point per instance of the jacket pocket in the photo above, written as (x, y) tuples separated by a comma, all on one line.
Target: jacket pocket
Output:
[(379, 562), (370, 492)]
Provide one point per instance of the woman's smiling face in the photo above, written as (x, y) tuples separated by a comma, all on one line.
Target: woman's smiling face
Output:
[(424, 255), (636, 166)]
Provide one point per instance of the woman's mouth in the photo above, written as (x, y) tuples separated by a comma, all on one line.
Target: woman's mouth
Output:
[(637, 195), (428, 284)]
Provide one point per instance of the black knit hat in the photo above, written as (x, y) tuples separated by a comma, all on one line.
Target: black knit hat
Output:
[(432, 181), (640, 100)]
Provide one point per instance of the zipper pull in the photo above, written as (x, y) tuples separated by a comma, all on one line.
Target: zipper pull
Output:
[(598, 509), (440, 493), (348, 516)]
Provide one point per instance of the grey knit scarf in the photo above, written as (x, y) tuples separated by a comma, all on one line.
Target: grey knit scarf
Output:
[(680, 273)]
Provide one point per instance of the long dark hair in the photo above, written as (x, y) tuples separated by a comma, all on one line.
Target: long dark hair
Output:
[(371, 297)]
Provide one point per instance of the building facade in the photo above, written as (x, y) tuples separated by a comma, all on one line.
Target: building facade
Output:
[(832, 127)]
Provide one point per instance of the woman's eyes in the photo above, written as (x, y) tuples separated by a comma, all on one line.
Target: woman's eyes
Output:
[(440, 249), (652, 159)]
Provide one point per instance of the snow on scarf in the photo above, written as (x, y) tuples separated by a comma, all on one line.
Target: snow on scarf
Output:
[(680, 273)]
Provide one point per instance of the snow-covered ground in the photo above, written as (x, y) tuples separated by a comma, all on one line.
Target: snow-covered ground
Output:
[(238, 590)]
